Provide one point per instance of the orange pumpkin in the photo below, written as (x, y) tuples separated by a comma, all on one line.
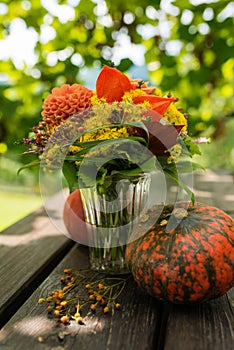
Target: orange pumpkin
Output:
[(190, 263), (74, 218)]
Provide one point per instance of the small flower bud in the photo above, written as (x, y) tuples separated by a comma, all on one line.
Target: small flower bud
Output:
[(40, 339), (79, 320), (93, 307), (98, 298), (49, 309), (63, 303), (56, 313), (106, 310), (64, 319)]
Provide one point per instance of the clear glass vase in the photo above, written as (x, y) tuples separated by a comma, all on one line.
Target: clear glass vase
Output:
[(112, 211)]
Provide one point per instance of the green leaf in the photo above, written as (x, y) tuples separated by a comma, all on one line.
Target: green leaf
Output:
[(102, 143), (29, 165), (70, 174), (191, 147), (125, 64)]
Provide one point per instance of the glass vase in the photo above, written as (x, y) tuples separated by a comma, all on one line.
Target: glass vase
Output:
[(112, 211)]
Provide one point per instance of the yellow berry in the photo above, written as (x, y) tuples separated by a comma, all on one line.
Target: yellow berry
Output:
[(64, 319), (79, 320), (117, 305), (106, 310), (67, 271), (41, 300), (56, 313), (63, 303), (40, 339), (88, 286), (93, 307), (98, 298), (49, 309), (60, 295)]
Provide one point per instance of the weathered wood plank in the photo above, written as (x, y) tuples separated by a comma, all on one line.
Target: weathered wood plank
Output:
[(207, 326), (32, 248), (132, 327), (29, 250)]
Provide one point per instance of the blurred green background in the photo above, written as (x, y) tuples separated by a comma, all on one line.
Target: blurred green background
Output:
[(185, 47)]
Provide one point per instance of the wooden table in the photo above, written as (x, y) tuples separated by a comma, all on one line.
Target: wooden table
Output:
[(33, 255)]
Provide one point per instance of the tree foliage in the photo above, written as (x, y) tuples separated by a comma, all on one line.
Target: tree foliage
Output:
[(187, 47)]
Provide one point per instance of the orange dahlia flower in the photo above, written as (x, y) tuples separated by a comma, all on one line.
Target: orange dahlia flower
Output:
[(65, 101)]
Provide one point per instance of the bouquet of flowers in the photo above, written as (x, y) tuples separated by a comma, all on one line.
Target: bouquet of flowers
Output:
[(106, 142), (122, 128)]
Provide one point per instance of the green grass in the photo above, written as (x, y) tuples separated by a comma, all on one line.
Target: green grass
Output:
[(15, 206)]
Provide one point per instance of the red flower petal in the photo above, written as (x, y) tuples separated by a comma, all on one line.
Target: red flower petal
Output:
[(157, 103), (112, 84), (162, 137)]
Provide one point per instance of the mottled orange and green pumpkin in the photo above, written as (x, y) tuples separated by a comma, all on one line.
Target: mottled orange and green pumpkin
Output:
[(190, 262)]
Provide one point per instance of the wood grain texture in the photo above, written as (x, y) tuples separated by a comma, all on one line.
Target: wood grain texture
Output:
[(29, 250), (209, 326), (33, 247), (132, 327)]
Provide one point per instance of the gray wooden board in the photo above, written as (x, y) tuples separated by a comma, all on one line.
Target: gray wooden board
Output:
[(132, 327), (143, 322), (31, 248), (27, 250), (209, 326)]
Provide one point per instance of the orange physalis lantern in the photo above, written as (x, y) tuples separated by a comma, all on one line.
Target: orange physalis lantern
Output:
[(111, 84), (157, 103)]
